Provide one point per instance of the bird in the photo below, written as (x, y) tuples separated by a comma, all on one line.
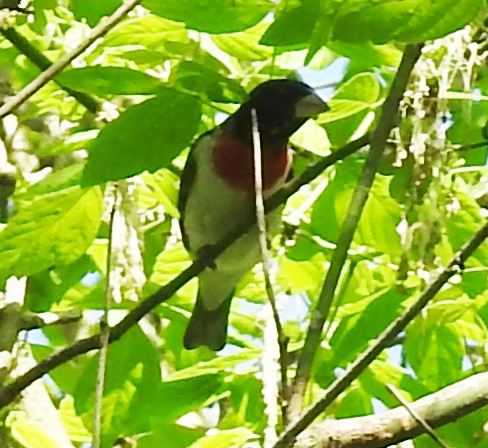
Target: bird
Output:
[(217, 193)]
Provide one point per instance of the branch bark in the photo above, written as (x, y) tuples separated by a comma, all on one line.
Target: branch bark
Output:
[(391, 427)]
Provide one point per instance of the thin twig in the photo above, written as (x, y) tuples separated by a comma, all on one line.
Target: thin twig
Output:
[(10, 391), (265, 257), (428, 429), (472, 146), (340, 296), (378, 142), (396, 327), (104, 325), (48, 74)]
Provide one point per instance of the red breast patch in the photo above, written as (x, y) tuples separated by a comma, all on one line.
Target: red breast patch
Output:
[(233, 162)]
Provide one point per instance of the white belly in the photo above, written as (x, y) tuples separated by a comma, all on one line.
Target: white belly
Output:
[(212, 211)]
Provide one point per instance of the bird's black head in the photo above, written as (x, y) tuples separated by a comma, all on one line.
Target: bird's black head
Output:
[(282, 106)]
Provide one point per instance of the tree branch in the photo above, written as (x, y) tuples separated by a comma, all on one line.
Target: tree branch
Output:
[(42, 62), (391, 427), (378, 142), (398, 325), (56, 68), (10, 391)]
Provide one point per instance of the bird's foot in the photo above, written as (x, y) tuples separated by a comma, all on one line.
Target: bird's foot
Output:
[(206, 254)]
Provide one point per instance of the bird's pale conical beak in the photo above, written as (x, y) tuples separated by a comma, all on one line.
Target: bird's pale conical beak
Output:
[(310, 106)]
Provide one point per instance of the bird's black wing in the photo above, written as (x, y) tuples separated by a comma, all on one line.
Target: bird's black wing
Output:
[(186, 182)]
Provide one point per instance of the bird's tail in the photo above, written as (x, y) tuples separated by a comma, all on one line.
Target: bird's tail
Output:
[(207, 327)]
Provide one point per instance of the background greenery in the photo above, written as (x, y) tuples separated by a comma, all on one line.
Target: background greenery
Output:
[(166, 73)]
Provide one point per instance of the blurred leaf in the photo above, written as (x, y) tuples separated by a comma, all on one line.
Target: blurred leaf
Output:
[(145, 137), (355, 323), (103, 81), (408, 20), (368, 54), (176, 398), (49, 287), (207, 83), (131, 379), (463, 223), (50, 230), (226, 16), (169, 436), (245, 45), (169, 263), (301, 276), (160, 187), (216, 365), (149, 31), (354, 402), (27, 433), (93, 10), (349, 107), (381, 216), (73, 424), (293, 26), (435, 353)]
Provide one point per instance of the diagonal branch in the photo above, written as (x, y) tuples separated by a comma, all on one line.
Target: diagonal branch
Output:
[(397, 326), (9, 392), (388, 428), (43, 63), (47, 75), (409, 407), (378, 142)]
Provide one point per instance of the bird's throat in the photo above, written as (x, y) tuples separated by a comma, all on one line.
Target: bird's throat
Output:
[(233, 162)]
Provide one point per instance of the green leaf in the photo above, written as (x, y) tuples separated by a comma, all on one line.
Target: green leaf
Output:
[(169, 436), (404, 20), (379, 220), (354, 401), (50, 286), (355, 326), (145, 137), (131, 379), (93, 10), (245, 45), (368, 54), (207, 83), (435, 353), (216, 365), (73, 424), (26, 433), (176, 398), (355, 95), (160, 187), (104, 81), (169, 263), (49, 230), (148, 31), (225, 16), (463, 223), (293, 26), (350, 108)]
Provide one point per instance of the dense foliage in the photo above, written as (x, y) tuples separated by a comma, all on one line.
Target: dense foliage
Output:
[(114, 127)]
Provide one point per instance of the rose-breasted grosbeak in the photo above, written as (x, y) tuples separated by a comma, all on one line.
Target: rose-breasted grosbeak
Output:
[(217, 193)]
